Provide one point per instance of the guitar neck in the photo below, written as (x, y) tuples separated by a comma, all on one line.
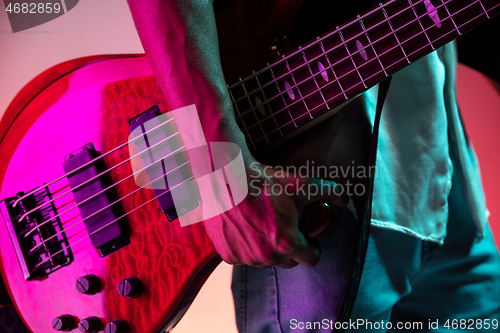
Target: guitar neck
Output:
[(290, 94)]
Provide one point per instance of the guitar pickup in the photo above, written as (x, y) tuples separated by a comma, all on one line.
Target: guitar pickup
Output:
[(166, 163), (36, 233), (100, 214)]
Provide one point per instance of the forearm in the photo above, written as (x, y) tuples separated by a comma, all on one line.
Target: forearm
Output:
[(180, 40)]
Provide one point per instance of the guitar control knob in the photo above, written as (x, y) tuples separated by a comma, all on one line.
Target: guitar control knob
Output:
[(130, 287), (116, 326), (63, 323), (88, 284), (90, 325)]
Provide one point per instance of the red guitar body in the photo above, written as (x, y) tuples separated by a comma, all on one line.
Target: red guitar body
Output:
[(91, 100)]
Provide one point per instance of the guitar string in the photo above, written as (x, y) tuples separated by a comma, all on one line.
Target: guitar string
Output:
[(106, 225), (304, 114), (164, 140), (16, 202), (252, 109), (319, 40), (90, 162), (259, 121), (293, 119), (323, 54), (337, 80), (50, 256), (102, 209), (96, 194), (111, 204), (334, 81), (95, 177), (355, 21)]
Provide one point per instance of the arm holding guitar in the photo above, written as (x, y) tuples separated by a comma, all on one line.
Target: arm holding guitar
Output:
[(180, 40)]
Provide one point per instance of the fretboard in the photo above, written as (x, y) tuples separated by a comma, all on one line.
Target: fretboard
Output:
[(276, 101)]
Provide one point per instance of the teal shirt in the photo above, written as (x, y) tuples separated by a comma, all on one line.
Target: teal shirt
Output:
[(421, 142), (421, 145)]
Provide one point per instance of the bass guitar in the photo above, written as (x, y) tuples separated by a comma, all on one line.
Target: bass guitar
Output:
[(82, 246)]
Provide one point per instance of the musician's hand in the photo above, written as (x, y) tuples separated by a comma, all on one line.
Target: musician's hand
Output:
[(263, 230), (180, 40)]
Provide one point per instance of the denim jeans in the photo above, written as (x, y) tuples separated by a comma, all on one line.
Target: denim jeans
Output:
[(413, 284)]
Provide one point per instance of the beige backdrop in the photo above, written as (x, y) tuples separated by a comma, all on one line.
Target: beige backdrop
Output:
[(99, 27)]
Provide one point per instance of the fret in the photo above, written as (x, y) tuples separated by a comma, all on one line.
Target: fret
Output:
[(373, 46), (492, 7), (239, 119), (350, 56), (282, 98), (420, 22), (250, 114), (342, 65), (395, 34), (451, 16), (267, 104), (275, 101), (289, 89), (330, 90), (333, 71), (333, 89), (255, 114), (367, 61), (306, 83), (313, 75), (484, 9), (437, 21), (408, 29), (298, 90), (273, 121), (264, 104), (466, 19), (466, 13)]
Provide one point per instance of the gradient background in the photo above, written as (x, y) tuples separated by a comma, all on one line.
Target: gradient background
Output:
[(106, 27)]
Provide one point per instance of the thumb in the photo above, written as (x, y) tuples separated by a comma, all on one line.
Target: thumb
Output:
[(324, 190)]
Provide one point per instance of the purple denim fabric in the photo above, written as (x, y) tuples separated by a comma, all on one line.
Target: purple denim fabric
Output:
[(405, 280), (267, 299)]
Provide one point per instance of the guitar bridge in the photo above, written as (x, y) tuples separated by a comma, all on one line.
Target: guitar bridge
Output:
[(37, 235)]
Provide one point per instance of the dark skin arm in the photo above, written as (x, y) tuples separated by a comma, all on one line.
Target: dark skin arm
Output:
[(180, 40)]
